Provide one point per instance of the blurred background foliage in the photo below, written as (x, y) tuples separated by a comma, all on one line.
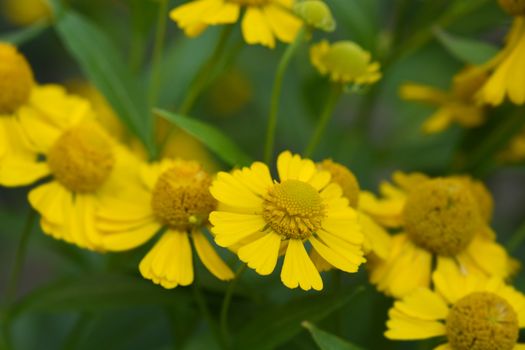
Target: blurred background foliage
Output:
[(73, 299)]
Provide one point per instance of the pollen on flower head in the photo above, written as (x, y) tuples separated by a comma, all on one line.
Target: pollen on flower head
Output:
[(482, 196), (293, 209), (342, 176), (441, 216), (16, 79), (316, 14), (81, 159), (181, 198), (513, 7), (482, 321)]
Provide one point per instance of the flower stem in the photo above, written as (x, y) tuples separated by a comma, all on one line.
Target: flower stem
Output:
[(325, 117), (158, 48), (516, 240), (225, 332), (276, 94), (202, 77)]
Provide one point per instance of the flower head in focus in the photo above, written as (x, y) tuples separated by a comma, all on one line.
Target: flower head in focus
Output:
[(344, 62), (446, 219), (263, 20), (172, 195), (464, 309), (261, 217)]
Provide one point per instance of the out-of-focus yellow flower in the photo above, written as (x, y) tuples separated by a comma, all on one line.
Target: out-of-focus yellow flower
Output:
[(230, 93), (174, 195), (463, 308), (316, 13), (261, 217), (25, 12), (264, 20), (344, 62), (515, 150), (507, 69), (459, 105), (444, 219)]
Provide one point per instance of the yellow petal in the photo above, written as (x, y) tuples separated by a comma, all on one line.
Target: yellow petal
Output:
[(230, 191), (130, 237), (489, 256), (210, 258), (320, 263), (284, 25), (50, 200), (257, 178), (298, 270), (352, 253), (453, 282), (423, 304), (261, 254), (230, 228), (334, 258), (21, 171), (376, 238), (443, 347), (402, 327), (255, 28), (439, 121)]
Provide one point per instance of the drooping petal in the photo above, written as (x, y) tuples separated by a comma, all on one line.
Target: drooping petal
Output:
[(298, 270), (255, 28), (230, 228), (261, 254), (210, 258)]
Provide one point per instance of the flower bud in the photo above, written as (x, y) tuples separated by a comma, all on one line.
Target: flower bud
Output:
[(316, 14)]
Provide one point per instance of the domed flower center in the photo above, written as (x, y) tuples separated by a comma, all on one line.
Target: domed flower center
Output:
[(482, 321), (513, 7), (181, 197), (293, 209), (81, 158), (347, 58), (441, 216), (16, 79), (344, 178), (250, 2)]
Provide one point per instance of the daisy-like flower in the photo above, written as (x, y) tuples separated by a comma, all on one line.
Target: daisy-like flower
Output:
[(441, 219), (507, 69), (172, 195), (471, 313), (459, 105), (264, 20), (259, 217), (344, 62)]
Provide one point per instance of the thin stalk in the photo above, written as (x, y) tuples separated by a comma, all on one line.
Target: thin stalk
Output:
[(21, 250), (158, 48), (202, 77), (276, 94), (225, 331), (325, 117)]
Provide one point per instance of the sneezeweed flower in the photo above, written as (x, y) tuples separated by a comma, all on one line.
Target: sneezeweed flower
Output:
[(260, 217), (173, 196), (459, 105), (344, 62), (470, 313), (316, 14), (442, 219), (263, 21), (507, 73)]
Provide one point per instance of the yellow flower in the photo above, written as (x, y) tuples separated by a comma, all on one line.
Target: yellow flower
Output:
[(344, 62), (459, 106), (260, 217), (263, 21), (316, 14), (472, 313), (508, 70), (441, 219), (25, 12), (172, 195)]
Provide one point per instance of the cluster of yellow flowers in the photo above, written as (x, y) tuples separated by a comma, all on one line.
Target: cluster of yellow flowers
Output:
[(427, 241)]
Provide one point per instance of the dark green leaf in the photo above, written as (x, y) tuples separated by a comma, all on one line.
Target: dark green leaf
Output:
[(99, 291), (328, 341), (215, 140), (276, 326), (105, 68), (21, 36), (464, 49)]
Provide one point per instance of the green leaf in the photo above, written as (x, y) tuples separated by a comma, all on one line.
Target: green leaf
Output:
[(99, 291), (24, 35), (328, 341), (468, 50), (215, 140), (105, 68), (275, 327)]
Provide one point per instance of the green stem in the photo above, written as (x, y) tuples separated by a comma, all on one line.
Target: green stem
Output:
[(516, 240), (225, 332), (205, 311), (12, 285), (158, 48), (325, 117), (202, 77), (276, 93)]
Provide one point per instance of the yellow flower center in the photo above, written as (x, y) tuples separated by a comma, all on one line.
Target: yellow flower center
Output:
[(181, 197), (316, 14), (347, 58), (81, 159), (16, 79), (441, 216), (482, 321), (513, 7), (250, 2), (293, 209), (342, 176)]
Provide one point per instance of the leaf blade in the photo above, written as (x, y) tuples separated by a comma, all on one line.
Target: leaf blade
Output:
[(467, 50), (328, 341)]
